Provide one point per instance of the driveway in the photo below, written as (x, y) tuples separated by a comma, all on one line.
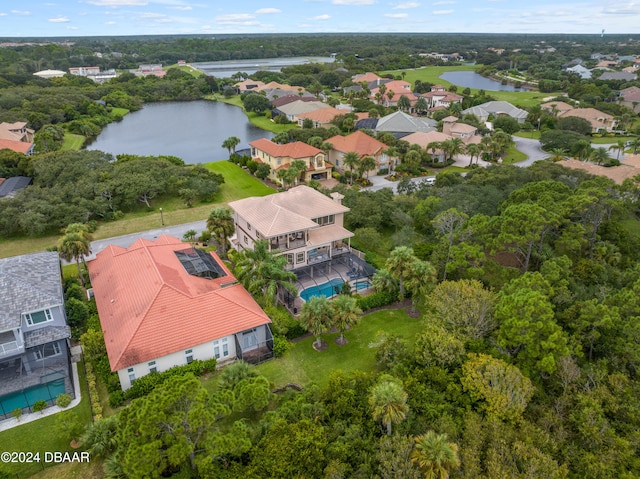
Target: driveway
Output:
[(531, 148)]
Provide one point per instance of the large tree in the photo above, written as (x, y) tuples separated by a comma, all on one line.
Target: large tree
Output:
[(346, 314), (75, 245), (317, 317), (231, 143)]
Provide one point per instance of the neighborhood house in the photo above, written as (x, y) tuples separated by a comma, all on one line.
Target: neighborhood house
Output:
[(164, 303), (35, 361)]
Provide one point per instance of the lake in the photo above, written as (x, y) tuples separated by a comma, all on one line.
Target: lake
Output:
[(191, 130), (226, 68), (475, 80)]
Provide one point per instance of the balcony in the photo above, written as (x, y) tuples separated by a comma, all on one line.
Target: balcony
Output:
[(289, 241), (9, 345)]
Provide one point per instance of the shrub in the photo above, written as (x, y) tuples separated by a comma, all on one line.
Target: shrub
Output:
[(63, 400), (75, 291), (280, 345), (376, 300), (39, 406), (77, 312), (17, 413), (116, 399)]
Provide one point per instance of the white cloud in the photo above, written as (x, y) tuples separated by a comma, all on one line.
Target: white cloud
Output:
[(353, 2), (235, 17), (625, 9), (59, 19), (3, 14), (404, 6), (110, 22), (151, 15), (396, 15), (442, 12), (182, 9), (118, 3), (72, 28), (20, 12), (444, 2), (267, 11), (322, 17)]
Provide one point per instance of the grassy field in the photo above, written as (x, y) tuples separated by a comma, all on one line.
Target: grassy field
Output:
[(238, 184), (302, 364), (513, 155), (43, 435), (260, 121), (120, 111), (432, 75), (72, 141), (188, 69)]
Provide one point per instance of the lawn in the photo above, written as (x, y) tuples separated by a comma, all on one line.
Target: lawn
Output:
[(260, 121), (238, 184), (72, 141), (119, 111), (302, 364), (188, 69), (513, 155), (43, 435), (432, 75)]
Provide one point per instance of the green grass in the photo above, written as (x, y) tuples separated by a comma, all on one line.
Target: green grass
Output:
[(302, 364), (120, 111), (611, 140), (238, 184), (260, 121), (513, 155), (190, 70), (42, 435), (72, 141), (534, 134), (432, 75)]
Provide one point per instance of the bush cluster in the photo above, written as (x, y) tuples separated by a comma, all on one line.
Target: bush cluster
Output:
[(94, 397), (376, 300)]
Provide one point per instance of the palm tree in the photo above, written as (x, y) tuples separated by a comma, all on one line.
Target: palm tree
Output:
[(388, 401), (456, 147), (403, 103), (366, 164), (558, 154), (263, 272), (599, 155), (434, 455), (221, 225), (282, 174), (618, 146), (231, 143), (473, 149), (399, 264), (383, 281), (421, 104), (635, 144), (300, 167), (412, 161), (346, 314), (75, 244), (315, 316), (434, 146)]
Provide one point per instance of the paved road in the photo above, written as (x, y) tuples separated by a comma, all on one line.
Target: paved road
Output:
[(531, 148), (126, 240)]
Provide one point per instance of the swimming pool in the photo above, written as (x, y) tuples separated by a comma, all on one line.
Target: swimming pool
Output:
[(329, 288), (27, 397)]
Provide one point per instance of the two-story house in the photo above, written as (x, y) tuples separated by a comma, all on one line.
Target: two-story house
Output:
[(281, 156), (35, 359)]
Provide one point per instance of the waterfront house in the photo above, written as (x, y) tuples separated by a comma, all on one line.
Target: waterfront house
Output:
[(281, 156), (496, 108), (164, 303)]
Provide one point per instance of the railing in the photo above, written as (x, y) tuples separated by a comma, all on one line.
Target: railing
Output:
[(9, 348)]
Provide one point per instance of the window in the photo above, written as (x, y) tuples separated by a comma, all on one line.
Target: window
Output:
[(132, 375), (152, 367), (47, 351), (325, 220), (289, 257), (38, 317), (278, 161), (249, 340), (189, 355), (249, 226), (300, 257), (246, 241), (225, 347), (216, 349)]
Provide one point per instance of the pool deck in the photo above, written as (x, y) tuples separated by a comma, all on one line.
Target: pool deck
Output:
[(30, 417)]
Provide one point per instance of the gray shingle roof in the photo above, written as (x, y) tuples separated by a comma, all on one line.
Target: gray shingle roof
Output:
[(46, 335), (496, 108), (12, 185), (28, 283), (402, 122)]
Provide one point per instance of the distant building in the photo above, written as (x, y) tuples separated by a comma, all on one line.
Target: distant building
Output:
[(50, 74)]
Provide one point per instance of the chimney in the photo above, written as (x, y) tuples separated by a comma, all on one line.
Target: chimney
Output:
[(337, 197)]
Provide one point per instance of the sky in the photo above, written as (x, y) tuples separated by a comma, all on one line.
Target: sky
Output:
[(69, 18)]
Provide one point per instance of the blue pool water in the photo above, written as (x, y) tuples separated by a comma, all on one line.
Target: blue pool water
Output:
[(328, 289), (22, 399)]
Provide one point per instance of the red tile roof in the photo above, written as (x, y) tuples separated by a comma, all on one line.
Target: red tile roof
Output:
[(366, 77), (358, 142), (150, 307), (17, 146), (297, 149)]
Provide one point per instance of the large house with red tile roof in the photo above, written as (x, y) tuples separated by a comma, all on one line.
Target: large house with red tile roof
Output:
[(398, 87), (164, 303), (362, 144), (600, 121), (281, 156), (321, 118)]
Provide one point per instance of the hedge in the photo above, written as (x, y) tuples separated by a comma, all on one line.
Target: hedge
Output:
[(376, 300)]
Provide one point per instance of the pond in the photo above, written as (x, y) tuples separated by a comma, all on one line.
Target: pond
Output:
[(226, 68), (475, 80), (193, 131)]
